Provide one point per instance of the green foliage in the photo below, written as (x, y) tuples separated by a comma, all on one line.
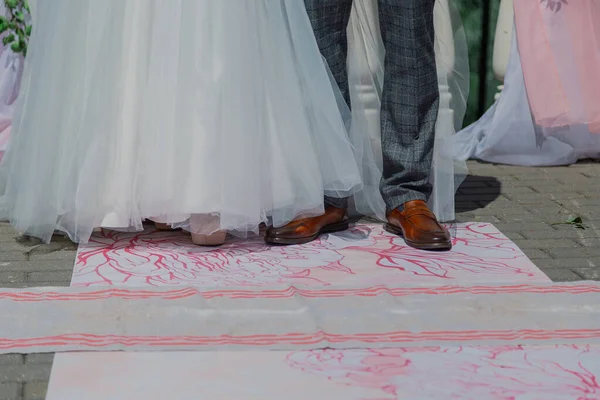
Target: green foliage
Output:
[(576, 222), (15, 26), (471, 14)]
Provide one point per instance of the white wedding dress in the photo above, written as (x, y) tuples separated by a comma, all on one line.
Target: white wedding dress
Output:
[(135, 109)]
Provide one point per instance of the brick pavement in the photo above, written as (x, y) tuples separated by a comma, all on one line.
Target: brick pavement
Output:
[(524, 203)]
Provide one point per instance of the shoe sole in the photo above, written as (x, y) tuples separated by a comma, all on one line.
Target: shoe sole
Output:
[(332, 228), (441, 246)]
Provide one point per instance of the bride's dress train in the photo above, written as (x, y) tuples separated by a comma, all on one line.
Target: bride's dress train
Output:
[(168, 109)]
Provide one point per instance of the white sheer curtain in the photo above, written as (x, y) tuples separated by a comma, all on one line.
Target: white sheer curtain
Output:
[(508, 132)]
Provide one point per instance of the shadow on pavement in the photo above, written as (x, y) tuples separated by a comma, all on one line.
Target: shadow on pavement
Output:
[(477, 192)]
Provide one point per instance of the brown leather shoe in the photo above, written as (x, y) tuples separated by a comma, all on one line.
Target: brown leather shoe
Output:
[(419, 227), (308, 229)]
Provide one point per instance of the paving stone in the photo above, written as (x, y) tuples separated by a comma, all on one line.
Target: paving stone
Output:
[(592, 274), (466, 206), (578, 252), (561, 275), (548, 206), (546, 244), (532, 196), (479, 195), (560, 191), (10, 391), (49, 276), (11, 359), (473, 184), (584, 201), (11, 255), (37, 265), (589, 242), (577, 180), (13, 285), (35, 390), (11, 276), (19, 243), (6, 228), (591, 172), (480, 198), (25, 373), (514, 236), (480, 178), (535, 254), (568, 263), (40, 358), (504, 212), (531, 218), (570, 233), (523, 227), (53, 247), (515, 192), (499, 203), (562, 212), (507, 169), (535, 182), (537, 200), (61, 255), (467, 217), (28, 284), (7, 237), (574, 204)]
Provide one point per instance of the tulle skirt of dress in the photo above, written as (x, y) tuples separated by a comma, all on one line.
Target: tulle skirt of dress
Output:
[(169, 108)]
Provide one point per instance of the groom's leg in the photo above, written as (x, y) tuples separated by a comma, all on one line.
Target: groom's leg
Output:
[(409, 112), (330, 19), (410, 100)]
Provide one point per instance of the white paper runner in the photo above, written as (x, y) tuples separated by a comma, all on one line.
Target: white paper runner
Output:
[(290, 319), (364, 255), (441, 373)]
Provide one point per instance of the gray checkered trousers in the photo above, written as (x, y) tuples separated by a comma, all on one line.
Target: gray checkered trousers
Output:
[(410, 94)]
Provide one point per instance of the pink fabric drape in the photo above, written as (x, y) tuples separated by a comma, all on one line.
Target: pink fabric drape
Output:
[(559, 43)]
